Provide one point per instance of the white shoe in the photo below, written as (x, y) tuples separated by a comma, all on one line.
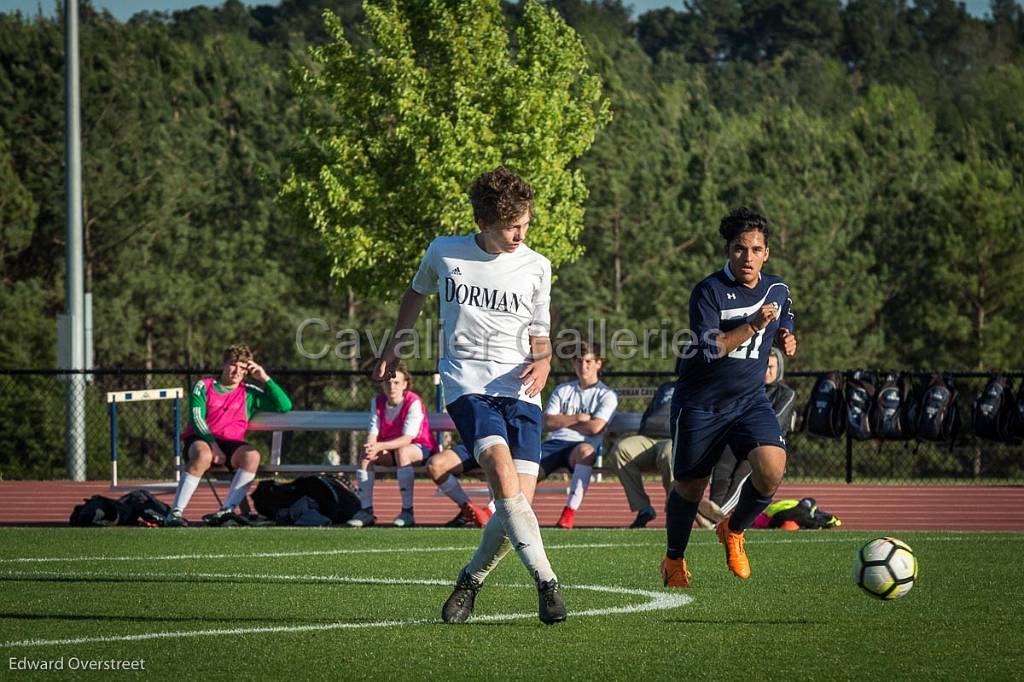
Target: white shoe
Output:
[(362, 519), (405, 519)]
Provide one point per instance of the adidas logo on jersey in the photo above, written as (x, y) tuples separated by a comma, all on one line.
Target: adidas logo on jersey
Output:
[(456, 271)]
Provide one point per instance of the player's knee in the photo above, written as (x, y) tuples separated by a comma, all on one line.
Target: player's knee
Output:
[(246, 458), (691, 491), (584, 453), (436, 472), (199, 457), (408, 455)]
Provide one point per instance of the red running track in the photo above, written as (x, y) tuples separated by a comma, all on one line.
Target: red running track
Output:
[(861, 507)]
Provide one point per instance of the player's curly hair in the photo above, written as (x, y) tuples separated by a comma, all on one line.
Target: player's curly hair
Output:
[(742, 220), (238, 352), (500, 196)]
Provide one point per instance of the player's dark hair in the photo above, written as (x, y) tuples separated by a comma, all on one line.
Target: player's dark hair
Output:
[(742, 220), (500, 196), (589, 348), (238, 352)]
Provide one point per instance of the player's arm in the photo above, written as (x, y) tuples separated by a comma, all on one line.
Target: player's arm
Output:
[(734, 338), (599, 420), (563, 421), (197, 420), (786, 336), (409, 308), (197, 413), (272, 399), (539, 366), (535, 375)]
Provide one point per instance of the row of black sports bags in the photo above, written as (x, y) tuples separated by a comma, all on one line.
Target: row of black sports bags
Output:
[(887, 406)]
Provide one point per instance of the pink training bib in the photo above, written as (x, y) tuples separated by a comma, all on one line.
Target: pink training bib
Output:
[(393, 429), (226, 416)]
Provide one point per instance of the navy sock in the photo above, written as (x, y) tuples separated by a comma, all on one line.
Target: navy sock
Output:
[(679, 516), (752, 502)]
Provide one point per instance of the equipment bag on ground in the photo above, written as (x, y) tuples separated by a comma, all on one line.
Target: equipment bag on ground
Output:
[(333, 495)]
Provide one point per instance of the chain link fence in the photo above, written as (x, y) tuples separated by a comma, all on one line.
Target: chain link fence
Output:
[(42, 443)]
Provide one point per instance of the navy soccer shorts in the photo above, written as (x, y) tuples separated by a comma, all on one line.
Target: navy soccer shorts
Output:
[(469, 462), (484, 418), (554, 454), (699, 436)]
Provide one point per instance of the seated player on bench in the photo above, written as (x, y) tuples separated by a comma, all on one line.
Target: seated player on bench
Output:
[(218, 417)]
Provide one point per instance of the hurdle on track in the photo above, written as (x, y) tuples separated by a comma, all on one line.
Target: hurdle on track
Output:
[(138, 396)]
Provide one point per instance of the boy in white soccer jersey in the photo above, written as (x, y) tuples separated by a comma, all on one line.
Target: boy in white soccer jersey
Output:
[(576, 417), (495, 294)]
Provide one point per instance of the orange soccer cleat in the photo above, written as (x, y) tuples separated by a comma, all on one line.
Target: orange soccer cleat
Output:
[(735, 555), (674, 573)]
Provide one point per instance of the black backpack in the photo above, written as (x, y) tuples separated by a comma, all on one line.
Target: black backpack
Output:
[(333, 495), (993, 411), (1016, 426), (825, 414), (655, 420), (138, 506), (860, 396), (893, 407), (95, 511), (938, 415)]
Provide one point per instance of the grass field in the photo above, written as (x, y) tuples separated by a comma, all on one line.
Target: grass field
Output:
[(342, 604)]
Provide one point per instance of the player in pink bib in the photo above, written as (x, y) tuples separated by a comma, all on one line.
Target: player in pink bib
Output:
[(399, 435), (219, 412)]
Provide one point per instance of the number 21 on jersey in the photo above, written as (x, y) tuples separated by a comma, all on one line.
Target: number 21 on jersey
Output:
[(751, 349)]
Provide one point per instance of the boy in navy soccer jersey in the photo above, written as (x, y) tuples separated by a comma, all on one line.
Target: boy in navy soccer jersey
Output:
[(735, 316)]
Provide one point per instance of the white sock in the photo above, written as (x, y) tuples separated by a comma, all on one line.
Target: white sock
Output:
[(524, 533), (186, 487), (240, 483), (493, 547), (453, 489), (578, 486), (364, 481), (406, 481)]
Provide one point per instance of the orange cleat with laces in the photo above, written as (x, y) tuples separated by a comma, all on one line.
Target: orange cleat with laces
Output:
[(735, 555), (674, 573)]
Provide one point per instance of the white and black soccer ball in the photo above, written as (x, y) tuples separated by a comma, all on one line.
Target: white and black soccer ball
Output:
[(885, 568)]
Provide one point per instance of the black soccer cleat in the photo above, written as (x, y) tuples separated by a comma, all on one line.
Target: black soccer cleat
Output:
[(551, 608), (459, 606)]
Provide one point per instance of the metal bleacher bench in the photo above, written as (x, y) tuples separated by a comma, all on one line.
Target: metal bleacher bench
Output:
[(622, 422)]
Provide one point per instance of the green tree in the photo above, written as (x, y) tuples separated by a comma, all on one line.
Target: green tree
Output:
[(960, 298), (394, 134)]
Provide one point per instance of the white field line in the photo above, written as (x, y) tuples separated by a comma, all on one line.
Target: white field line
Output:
[(757, 537), (656, 601), (279, 555)]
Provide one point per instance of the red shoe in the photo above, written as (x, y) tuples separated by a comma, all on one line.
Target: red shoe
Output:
[(475, 515), (566, 519)]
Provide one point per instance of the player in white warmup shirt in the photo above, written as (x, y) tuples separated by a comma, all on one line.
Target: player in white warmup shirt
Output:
[(576, 416), (495, 295)]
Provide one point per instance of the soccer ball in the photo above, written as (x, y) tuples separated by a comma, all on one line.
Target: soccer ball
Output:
[(885, 568)]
